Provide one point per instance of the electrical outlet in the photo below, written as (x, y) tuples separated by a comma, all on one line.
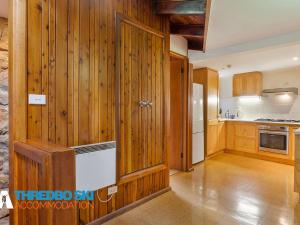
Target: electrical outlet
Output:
[(112, 190)]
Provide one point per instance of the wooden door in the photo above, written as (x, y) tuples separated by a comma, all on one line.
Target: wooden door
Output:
[(140, 97), (176, 92)]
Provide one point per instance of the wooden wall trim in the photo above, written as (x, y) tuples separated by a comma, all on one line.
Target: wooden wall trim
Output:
[(263, 157), (141, 173), (17, 86), (207, 16), (190, 119), (187, 110), (178, 56), (126, 19)]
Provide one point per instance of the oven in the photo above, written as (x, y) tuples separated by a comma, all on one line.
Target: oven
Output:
[(274, 139)]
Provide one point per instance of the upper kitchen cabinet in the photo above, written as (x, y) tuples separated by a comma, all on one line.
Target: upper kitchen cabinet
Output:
[(247, 84)]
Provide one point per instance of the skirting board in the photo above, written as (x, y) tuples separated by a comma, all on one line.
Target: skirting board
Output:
[(214, 154), (128, 207), (263, 157)]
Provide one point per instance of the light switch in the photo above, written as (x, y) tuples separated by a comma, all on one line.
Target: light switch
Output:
[(34, 99)]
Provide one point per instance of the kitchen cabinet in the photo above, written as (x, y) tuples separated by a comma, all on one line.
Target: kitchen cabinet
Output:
[(242, 137), (247, 84), (210, 80), (230, 136), (245, 144), (222, 135), (212, 95), (212, 139), (216, 137), (297, 161)]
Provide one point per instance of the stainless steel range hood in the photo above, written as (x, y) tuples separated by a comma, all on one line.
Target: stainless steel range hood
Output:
[(278, 91)]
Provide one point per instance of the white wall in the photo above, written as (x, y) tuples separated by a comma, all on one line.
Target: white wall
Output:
[(178, 45), (266, 106)]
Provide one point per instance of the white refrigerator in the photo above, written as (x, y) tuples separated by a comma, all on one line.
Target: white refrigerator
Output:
[(198, 124)]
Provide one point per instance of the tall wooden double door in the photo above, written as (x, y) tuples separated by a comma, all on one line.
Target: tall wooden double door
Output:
[(140, 97)]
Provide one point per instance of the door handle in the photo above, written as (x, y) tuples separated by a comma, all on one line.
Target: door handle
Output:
[(149, 104), (143, 103)]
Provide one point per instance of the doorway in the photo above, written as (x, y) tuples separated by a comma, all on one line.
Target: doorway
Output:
[(180, 144)]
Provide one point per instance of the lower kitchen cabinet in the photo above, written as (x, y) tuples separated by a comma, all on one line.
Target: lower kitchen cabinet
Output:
[(222, 135), (297, 162), (216, 137), (212, 139), (243, 138), (246, 144)]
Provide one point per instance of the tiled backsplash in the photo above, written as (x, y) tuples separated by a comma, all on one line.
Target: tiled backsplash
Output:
[(280, 106), (263, 108)]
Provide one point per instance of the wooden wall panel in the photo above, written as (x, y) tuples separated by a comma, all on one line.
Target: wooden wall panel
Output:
[(70, 57)]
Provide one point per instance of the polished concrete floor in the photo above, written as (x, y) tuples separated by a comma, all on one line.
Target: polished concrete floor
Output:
[(225, 190)]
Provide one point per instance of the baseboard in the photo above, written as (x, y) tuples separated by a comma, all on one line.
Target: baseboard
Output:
[(128, 207), (262, 157), (214, 154)]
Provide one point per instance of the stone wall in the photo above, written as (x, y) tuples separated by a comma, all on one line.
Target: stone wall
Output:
[(3, 103)]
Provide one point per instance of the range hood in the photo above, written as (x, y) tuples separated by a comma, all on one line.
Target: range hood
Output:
[(278, 91)]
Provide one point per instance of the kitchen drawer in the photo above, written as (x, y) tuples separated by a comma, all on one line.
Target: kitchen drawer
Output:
[(245, 144), (245, 130)]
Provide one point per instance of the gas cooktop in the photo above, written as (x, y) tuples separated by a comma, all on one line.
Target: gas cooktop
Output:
[(277, 120)]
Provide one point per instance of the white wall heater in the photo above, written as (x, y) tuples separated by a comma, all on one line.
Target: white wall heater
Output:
[(95, 166)]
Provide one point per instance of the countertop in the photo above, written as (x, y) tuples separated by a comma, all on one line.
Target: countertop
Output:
[(258, 122)]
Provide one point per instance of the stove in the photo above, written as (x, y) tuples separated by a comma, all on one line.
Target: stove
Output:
[(277, 120)]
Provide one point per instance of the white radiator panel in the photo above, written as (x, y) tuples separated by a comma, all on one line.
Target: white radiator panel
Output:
[(96, 169)]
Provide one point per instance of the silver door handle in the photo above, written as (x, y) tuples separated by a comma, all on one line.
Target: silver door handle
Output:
[(149, 104), (143, 103)]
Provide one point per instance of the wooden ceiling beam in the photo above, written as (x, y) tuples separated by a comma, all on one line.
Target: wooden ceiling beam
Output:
[(187, 29), (183, 7), (195, 45)]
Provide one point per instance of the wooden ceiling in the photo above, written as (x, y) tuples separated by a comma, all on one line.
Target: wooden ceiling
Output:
[(189, 18)]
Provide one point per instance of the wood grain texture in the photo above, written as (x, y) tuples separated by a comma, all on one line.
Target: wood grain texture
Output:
[(297, 164), (39, 167), (181, 118), (247, 84), (134, 82), (72, 59), (177, 117)]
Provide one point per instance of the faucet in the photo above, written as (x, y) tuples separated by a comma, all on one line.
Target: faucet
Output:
[(227, 114)]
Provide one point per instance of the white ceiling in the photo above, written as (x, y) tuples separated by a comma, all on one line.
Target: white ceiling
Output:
[(4, 8), (251, 35), (265, 59), (239, 21)]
